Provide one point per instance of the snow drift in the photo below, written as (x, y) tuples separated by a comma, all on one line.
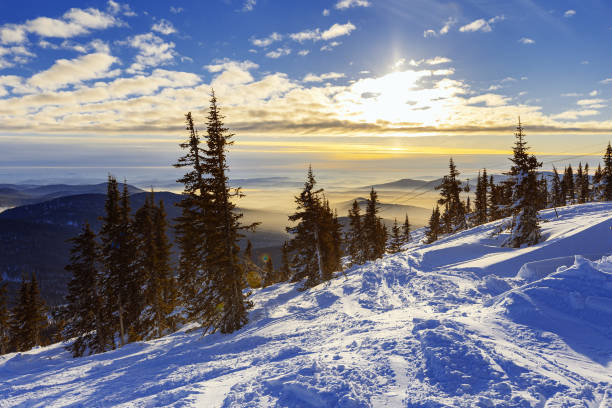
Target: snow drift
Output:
[(461, 322)]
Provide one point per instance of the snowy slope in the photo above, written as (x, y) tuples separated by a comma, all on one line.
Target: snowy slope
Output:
[(461, 322)]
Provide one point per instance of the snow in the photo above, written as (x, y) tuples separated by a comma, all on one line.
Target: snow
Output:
[(461, 322)]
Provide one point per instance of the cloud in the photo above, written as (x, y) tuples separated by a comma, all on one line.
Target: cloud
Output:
[(249, 5), (330, 46), (164, 26), (153, 51), (279, 52), (69, 72), (176, 10), (431, 61), (325, 12), (266, 41), (322, 77), (526, 40), (575, 114), (336, 30), (12, 34), (594, 93), (344, 4), (116, 8), (588, 102), (569, 13), (448, 24), (481, 25), (607, 81), (303, 53)]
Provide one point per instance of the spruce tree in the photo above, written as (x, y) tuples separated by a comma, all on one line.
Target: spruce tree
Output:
[(433, 228), (607, 174), (355, 236), (557, 196), (83, 313), (252, 275), (37, 313), (375, 233), (5, 322), (568, 179), (454, 210), (284, 273), (584, 189), (225, 280), (20, 333), (395, 244), (269, 277), (191, 237), (598, 186), (307, 241), (406, 230), (481, 199), (525, 228)]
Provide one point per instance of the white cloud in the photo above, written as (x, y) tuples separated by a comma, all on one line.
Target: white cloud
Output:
[(336, 30), (325, 12), (12, 33), (249, 5), (303, 53), (344, 4), (594, 93), (526, 40), (164, 26), (569, 13), (323, 77), (585, 62), (330, 46), (481, 25), (266, 41), (431, 61), (176, 10), (116, 8), (575, 114), (69, 72), (153, 51), (227, 64), (508, 79), (279, 52), (588, 102), (448, 24), (607, 81)]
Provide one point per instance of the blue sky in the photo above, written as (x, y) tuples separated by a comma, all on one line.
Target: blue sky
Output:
[(85, 82)]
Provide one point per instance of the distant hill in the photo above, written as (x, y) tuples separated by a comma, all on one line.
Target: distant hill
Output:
[(13, 195), (407, 184), (34, 237)]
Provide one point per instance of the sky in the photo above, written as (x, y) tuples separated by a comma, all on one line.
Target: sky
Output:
[(344, 84)]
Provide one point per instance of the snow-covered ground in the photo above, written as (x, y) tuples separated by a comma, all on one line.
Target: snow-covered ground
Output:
[(461, 323)]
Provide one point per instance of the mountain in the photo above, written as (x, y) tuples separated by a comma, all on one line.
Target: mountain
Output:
[(13, 195), (462, 322), (43, 229), (407, 184)]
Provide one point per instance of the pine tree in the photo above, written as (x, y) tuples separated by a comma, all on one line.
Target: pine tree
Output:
[(433, 229), (557, 195), (159, 285), (122, 286), (307, 241), (585, 191), (284, 273), (598, 186), (480, 202), (83, 313), (396, 242), (568, 179), (5, 322), (355, 236), (269, 277), (607, 174), (252, 275), (525, 229), (542, 201), (373, 228), (191, 237), (225, 280), (29, 317), (454, 210), (406, 230), (578, 183), (37, 312)]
